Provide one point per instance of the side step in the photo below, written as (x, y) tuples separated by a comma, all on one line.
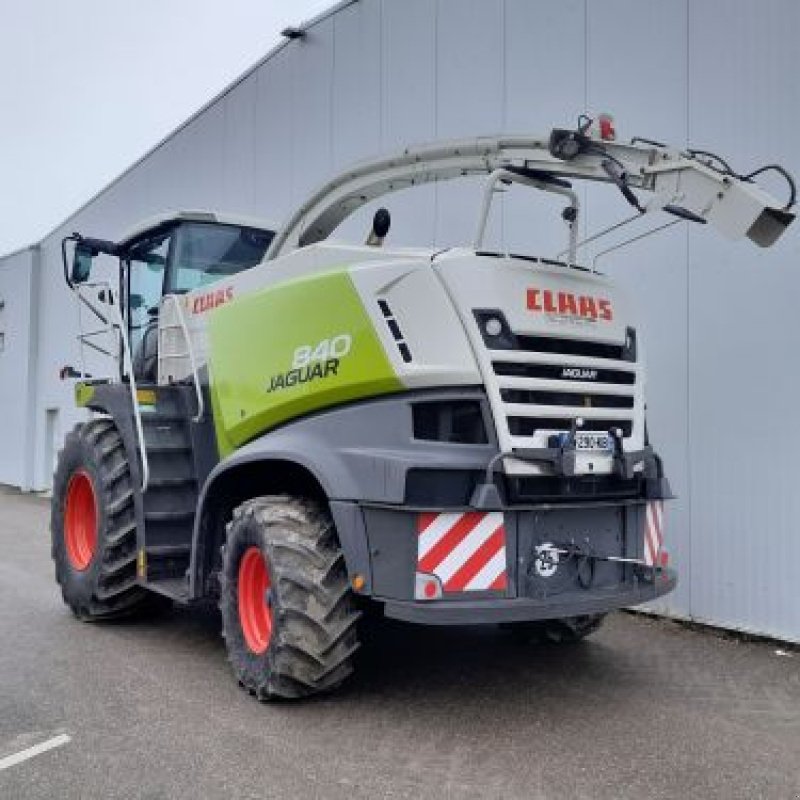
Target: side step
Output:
[(170, 502), (176, 589)]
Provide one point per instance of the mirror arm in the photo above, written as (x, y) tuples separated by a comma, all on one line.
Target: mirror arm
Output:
[(99, 246)]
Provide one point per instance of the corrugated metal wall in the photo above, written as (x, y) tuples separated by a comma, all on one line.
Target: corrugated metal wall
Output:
[(18, 289), (721, 322)]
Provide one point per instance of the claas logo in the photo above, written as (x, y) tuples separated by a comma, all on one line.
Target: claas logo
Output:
[(567, 304), (205, 302)]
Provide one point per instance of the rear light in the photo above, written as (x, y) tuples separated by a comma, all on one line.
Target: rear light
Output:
[(427, 587), (605, 127)]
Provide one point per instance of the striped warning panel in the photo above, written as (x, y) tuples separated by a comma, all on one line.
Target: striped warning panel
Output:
[(653, 532), (465, 551)]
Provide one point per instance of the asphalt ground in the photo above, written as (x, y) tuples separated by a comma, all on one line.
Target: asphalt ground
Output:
[(644, 709)]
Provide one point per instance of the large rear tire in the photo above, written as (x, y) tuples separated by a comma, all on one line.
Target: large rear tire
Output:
[(93, 526), (288, 616)]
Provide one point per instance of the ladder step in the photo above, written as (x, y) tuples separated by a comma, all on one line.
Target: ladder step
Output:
[(161, 418), (168, 447), (168, 550), (169, 516), (170, 482)]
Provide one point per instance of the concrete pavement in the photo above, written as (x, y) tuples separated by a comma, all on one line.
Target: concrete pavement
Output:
[(644, 709)]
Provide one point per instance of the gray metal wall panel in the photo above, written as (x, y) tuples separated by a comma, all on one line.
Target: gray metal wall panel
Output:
[(469, 68), (408, 72), (636, 65), (274, 127), (743, 331), (408, 105), (311, 148), (15, 297), (199, 176), (542, 89), (381, 74), (469, 101), (239, 149), (57, 346), (356, 83)]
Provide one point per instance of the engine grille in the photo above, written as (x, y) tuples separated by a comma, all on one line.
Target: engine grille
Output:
[(545, 383)]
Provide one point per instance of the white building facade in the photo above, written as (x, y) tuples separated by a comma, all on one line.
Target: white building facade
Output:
[(721, 325)]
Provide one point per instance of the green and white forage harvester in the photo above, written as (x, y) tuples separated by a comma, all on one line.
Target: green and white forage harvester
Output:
[(307, 430)]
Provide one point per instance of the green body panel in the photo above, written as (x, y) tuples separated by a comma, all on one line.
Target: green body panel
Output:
[(84, 393), (288, 350)]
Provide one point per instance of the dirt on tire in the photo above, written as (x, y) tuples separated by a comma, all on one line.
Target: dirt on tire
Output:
[(313, 617)]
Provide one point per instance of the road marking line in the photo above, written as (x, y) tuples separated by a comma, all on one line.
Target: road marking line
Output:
[(30, 752)]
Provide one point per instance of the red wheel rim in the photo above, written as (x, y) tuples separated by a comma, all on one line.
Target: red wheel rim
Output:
[(255, 615), (80, 521)]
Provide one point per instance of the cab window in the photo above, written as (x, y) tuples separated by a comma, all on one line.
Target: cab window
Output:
[(205, 253), (147, 262)]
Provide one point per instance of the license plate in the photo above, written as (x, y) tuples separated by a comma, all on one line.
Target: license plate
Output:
[(592, 442)]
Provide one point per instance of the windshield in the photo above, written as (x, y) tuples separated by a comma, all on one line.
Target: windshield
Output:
[(204, 253)]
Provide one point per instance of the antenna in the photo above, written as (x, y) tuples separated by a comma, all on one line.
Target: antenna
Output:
[(598, 235), (632, 240)]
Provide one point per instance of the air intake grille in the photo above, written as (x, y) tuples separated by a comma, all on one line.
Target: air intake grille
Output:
[(546, 383), (394, 328)]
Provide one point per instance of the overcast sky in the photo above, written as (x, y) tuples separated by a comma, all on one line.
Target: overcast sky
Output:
[(88, 86)]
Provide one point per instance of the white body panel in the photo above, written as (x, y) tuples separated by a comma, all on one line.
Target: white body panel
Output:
[(432, 299), (403, 277), (484, 282)]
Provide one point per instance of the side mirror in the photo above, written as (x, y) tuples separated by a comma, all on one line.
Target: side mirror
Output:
[(82, 256), (82, 260)]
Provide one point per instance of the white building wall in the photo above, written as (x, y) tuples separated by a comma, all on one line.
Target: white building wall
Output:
[(375, 75)]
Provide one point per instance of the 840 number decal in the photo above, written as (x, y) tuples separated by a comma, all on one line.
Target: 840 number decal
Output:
[(337, 347), (312, 362)]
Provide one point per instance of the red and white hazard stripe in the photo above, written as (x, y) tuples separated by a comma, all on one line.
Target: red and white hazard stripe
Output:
[(653, 532), (466, 551)]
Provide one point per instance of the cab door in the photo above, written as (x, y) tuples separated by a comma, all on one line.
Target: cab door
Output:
[(146, 262)]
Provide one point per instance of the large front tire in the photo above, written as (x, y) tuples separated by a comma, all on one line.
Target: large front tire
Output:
[(93, 526), (288, 617)]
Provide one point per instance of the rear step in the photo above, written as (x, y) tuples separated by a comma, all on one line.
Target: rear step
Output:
[(166, 564), (176, 589)]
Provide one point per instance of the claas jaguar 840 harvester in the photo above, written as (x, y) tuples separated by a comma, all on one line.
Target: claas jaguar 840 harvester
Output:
[(306, 430)]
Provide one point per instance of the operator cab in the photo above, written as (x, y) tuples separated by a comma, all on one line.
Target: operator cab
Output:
[(173, 254)]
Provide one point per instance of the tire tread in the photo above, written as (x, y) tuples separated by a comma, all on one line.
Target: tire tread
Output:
[(315, 637), (116, 592)]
